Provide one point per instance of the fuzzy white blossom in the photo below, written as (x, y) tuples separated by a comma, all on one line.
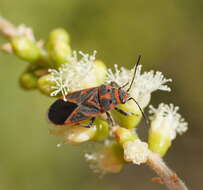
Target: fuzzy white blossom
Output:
[(93, 159), (166, 121), (75, 75), (136, 151), (104, 159), (143, 85)]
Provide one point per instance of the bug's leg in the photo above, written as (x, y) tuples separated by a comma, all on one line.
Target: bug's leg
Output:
[(124, 112), (90, 123), (110, 119), (143, 114)]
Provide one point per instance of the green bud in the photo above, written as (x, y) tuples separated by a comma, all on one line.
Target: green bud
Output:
[(58, 47), (59, 34), (44, 84), (100, 71), (28, 81), (117, 150), (130, 121), (25, 49), (59, 52), (158, 142), (102, 130), (123, 135)]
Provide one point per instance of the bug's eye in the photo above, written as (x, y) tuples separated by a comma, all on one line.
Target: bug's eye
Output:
[(110, 101), (108, 90)]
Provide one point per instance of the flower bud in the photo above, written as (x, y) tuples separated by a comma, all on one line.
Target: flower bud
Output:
[(59, 52), (28, 81), (75, 134), (25, 48), (102, 130), (59, 34), (159, 142), (100, 71), (58, 48), (123, 135), (166, 123), (45, 85), (130, 121), (108, 160), (136, 151)]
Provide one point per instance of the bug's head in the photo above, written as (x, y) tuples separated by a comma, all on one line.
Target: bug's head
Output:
[(123, 95)]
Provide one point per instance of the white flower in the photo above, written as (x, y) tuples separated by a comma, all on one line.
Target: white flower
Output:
[(136, 151), (143, 85), (93, 159), (76, 75), (166, 121), (105, 159)]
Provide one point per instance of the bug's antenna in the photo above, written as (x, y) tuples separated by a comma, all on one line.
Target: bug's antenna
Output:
[(143, 114), (134, 74)]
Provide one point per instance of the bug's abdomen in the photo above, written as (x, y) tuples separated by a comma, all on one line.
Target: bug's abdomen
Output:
[(108, 97)]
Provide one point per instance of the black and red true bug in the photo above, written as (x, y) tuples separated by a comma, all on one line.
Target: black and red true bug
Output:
[(89, 103)]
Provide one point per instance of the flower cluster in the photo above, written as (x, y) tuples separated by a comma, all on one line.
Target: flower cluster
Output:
[(55, 70), (165, 121), (76, 75), (143, 85)]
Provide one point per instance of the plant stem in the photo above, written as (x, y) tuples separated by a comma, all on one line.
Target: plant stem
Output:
[(8, 30), (168, 177), (155, 162), (6, 48)]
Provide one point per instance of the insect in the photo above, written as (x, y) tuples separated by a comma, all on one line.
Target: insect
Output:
[(89, 103)]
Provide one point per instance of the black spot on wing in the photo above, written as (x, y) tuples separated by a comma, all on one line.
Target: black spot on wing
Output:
[(60, 110), (105, 103), (78, 117), (74, 95), (88, 108)]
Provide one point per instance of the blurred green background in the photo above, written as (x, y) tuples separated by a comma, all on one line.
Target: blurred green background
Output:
[(169, 36)]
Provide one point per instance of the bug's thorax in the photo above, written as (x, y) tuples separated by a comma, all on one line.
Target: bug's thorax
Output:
[(110, 97)]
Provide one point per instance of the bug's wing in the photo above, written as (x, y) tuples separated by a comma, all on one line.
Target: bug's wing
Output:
[(89, 107), (81, 96), (82, 113), (76, 117), (60, 110)]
